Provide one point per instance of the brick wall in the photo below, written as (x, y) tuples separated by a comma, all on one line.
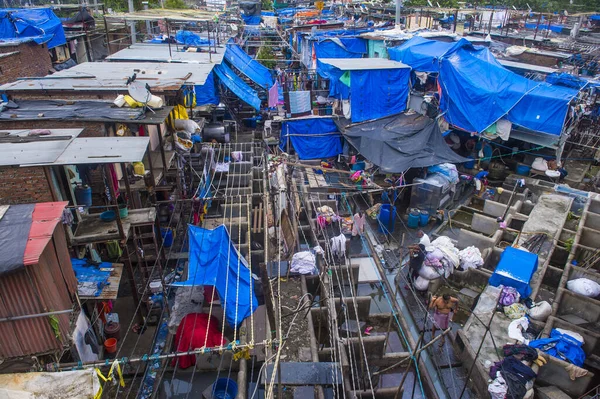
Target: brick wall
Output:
[(23, 60), (23, 186)]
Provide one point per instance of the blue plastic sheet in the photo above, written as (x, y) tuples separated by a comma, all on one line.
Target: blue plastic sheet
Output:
[(336, 88), (253, 69), (595, 17), (568, 80), (561, 346), (214, 260), (515, 269), (38, 24), (251, 19), (207, 93), (544, 25), (378, 93), (89, 273), (312, 138), (420, 54), (237, 85), (340, 47), (189, 38)]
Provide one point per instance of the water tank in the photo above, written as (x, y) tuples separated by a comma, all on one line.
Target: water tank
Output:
[(215, 131)]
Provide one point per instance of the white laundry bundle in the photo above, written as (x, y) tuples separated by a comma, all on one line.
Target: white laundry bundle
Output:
[(303, 263), (541, 311), (421, 284), (584, 286), (516, 328), (470, 257)]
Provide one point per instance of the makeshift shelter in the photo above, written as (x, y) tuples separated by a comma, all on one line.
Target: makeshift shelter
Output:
[(253, 69), (215, 261), (398, 143), (477, 91), (237, 86), (375, 87), (37, 24), (312, 138), (35, 263)]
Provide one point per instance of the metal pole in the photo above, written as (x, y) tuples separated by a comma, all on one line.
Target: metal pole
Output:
[(148, 28), (131, 23), (31, 316), (537, 26), (398, 8)]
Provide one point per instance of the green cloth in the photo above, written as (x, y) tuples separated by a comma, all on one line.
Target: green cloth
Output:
[(345, 79)]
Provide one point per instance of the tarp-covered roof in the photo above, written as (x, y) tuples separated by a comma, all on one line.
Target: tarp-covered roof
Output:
[(360, 64), (312, 138), (37, 24), (400, 142), (254, 70), (340, 47), (237, 86), (477, 90)]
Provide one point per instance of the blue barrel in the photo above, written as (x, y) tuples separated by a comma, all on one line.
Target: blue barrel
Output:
[(470, 164), (413, 219), (523, 169), (167, 236), (83, 195), (225, 388), (387, 218), (424, 218)]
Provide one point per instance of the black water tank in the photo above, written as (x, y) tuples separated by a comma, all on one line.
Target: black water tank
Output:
[(215, 131)]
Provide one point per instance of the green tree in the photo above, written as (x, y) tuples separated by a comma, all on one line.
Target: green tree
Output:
[(266, 57), (175, 4), (267, 5)]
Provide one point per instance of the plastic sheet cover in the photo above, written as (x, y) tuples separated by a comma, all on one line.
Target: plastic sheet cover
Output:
[(253, 69), (215, 261), (477, 91), (234, 83), (39, 24), (189, 38), (337, 89), (398, 143), (421, 54), (378, 93), (14, 234), (515, 269), (207, 93), (312, 138), (340, 47)]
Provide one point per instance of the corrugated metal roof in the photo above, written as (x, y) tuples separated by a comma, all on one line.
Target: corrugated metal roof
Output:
[(35, 152), (104, 150), (359, 64), (526, 67), (110, 76), (45, 217), (161, 53)]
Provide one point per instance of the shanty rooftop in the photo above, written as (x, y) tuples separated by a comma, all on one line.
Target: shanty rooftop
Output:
[(166, 53), (358, 64)]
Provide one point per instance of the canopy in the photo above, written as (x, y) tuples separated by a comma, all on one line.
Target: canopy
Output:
[(515, 269), (420, 53), (237, 85), (253, 69), (215, 261), (398, 143), (312, 138), (37, 24)]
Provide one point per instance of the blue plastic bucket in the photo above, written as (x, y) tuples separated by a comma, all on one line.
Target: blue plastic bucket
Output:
[(167, 236), (470, 164), (413, 219), (360, 165), (424, 218), (83, 195), (387, 218), (225, 388), (523, 170)]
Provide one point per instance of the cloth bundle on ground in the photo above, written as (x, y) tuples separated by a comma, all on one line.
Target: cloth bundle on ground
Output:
[(450, 254), (470, 257), (516, 328), (446, 170), (303, 263), (195, 331), (516, 375), (515, 311), (584, 286), (508, 296), (540, 311), (562, 344)]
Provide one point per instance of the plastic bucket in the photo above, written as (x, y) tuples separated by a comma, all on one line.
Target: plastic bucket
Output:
[(225, 388), (110, 345), (470, 164), (123, 211), (424, 218), (112, 330), (413, 219), (83, 195), (167, 236), (387, 218), (523, 169)]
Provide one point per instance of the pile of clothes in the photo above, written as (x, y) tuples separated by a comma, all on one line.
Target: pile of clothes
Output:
[(562, 344), (470, 257), (513, 377), (441, 258), (326, 215)]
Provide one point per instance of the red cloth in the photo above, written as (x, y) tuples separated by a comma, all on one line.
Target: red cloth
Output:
[(209, 293), (191, 334)]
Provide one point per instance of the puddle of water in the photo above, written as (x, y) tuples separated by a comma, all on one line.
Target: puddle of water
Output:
[(379, 303)]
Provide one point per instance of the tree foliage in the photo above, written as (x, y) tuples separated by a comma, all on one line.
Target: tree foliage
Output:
[(266, 57)]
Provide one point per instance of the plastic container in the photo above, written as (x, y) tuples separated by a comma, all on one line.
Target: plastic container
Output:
[(225, 388), (470, 164), (155, 286), (83, 195), (110, 345), (360, 165), (112, 330), (523, 170), (424, 218), (167, 236), (108, 216), (123, 211), (387, 218), (119, 101), (413, 219)]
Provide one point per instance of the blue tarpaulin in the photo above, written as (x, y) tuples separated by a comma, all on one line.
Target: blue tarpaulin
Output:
[(336, 88), (251, 19), (207, 93), (37, 24), (420, 54), (214, 261), (189, 38), (312, 138), (340, 47), (378, 93), (544, 25), (515, 269), (237, 85), (595, 17), (253, 69), (561, 346), (568, 80)]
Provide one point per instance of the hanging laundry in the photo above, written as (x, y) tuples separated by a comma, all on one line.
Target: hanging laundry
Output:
[(273, 95), (338, 245)]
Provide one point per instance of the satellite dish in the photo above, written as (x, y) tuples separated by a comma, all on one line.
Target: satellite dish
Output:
[(139, 92)]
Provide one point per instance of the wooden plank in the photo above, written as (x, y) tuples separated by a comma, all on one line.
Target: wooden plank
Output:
[(260, 217)]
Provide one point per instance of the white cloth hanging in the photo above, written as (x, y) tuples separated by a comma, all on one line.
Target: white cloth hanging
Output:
[(338, 245)]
